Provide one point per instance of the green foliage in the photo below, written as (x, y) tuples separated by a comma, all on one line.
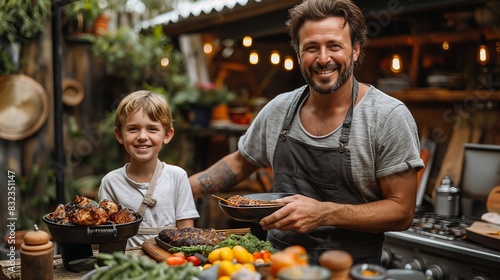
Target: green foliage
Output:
[(81, 14), (248, 241), (38, 192), (138, 58), (20, 21), (205, 94)]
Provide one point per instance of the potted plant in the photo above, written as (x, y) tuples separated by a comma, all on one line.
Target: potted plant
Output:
[(16, 30), (79, 16), (201, 99)]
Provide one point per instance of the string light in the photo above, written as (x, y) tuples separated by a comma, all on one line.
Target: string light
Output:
[(247, 41), (254, 57), (483, 56), (396, 63), (275, 57), (446, 45), (165, 62), (288, 63), (208, 48)]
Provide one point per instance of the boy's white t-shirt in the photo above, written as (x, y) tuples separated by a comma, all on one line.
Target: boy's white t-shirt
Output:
[(174, 198)]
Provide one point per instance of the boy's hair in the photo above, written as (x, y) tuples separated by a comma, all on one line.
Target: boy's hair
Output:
[(154, 105)]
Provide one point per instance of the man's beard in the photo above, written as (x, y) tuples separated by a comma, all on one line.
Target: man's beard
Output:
[(344, 75)]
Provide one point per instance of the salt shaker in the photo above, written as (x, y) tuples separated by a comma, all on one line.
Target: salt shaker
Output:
[(37, 256)]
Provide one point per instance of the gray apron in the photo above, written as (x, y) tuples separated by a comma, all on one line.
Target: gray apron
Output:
[(323, 174)]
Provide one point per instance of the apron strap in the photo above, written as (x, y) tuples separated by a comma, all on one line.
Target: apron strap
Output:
[(346, 125), (155, 231), (148, 200)]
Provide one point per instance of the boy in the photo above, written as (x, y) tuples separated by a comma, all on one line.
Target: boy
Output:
[(143, 123)]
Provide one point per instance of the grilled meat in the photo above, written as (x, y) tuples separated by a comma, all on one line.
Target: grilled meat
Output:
[(191, 236), (60, 212), (88, 215), (110, 207), (87, 212), (238, 200), (124, 215)]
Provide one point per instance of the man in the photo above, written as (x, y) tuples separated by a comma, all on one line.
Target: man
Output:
[(349, 151)]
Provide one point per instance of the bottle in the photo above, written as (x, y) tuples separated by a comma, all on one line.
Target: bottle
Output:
[(37, 256), (447, 198)]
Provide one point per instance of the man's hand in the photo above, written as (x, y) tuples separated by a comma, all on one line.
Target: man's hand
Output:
[(301, 214)]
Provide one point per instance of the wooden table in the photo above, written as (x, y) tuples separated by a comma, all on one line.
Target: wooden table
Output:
[(60, 273)]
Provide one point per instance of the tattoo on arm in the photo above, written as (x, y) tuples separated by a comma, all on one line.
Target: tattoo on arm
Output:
[(219, 177)]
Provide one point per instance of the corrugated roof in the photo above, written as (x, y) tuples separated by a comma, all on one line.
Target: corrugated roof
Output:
[(188, 10)]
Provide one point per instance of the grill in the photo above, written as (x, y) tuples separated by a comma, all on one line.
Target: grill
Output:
[(438, 247), (75, 242), (440, 227), (437, 244)]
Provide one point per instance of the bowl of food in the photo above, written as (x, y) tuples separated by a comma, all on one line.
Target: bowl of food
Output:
[(252, 207), (303, 272)]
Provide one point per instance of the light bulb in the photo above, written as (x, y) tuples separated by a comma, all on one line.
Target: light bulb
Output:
[(254, 57), (247, 41), (275, 57), (396, 63), (483, 56), (288, 63), (208, 48)]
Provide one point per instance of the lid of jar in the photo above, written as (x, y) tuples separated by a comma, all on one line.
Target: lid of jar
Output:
[(36, 237)]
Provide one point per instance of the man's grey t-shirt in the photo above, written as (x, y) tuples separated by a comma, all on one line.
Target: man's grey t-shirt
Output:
[(383, 138)]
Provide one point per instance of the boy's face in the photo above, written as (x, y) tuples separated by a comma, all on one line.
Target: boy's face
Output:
[(142, 137)]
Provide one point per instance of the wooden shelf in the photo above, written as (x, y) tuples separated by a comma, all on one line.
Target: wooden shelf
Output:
[(445, 95), (433, 38), (417, 41)]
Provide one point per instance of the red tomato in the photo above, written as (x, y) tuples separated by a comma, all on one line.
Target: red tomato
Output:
[(257, 255), (194, 260), (179, 254), (266, 255), (173, 261)]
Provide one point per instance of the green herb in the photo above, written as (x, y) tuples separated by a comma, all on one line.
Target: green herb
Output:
[(248, 241)]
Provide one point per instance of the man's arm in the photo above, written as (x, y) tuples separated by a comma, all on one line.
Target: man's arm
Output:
[(394, 212), (221, 176)]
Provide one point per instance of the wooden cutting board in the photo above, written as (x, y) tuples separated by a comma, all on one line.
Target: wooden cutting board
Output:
[(153, 250), (481, 232)]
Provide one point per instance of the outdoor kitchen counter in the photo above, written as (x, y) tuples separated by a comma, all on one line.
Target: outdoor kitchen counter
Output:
[(60, 273)]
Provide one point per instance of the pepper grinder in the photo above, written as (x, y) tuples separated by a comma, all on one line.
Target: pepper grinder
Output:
[(37, 256), (339, 262)]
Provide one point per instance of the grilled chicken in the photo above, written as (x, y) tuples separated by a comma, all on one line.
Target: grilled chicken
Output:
[(88, 215), (110, 207), (87, 212), (123, 216)]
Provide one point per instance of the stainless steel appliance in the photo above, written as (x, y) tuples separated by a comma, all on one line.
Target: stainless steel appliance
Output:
[(437, 244)]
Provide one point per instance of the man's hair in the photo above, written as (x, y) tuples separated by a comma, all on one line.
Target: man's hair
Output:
[(154, 105), (321, 9)]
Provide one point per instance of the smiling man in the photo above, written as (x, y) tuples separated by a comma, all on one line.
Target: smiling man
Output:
[(348, 151)]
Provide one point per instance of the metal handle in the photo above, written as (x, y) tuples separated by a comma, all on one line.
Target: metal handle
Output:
[(102, 232)]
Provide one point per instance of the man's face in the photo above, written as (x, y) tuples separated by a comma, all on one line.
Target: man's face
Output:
[(326, 54)]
